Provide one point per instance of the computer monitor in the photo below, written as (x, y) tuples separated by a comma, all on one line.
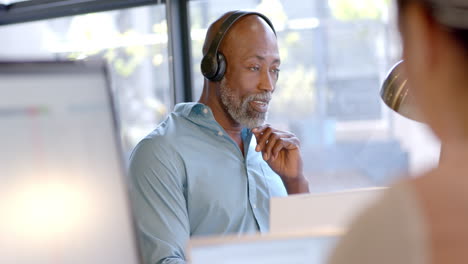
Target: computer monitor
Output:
[(326, 211), (63, 197), (291, 248)]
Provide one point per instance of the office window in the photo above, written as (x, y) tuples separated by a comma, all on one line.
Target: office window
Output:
[(6, 2), (335, 54), (133, 41)]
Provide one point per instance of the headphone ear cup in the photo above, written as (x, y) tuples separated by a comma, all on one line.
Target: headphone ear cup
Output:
[(221, 68), (208, 66)]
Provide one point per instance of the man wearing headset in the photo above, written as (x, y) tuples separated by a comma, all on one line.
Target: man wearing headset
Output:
[(212, 166)]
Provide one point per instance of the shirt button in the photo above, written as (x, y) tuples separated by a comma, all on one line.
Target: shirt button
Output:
[(220, 133), (254, 206), (205, 110)]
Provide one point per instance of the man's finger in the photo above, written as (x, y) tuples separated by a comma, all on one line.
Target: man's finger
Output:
[(291, 142), (287, 141), (277, 148), (260, 129), (262, 138), (272, 139), (269, 137)]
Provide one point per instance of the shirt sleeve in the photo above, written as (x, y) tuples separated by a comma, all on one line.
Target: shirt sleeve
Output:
[(157, 193)]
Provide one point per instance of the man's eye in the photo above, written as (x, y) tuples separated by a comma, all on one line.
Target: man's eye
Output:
[(275, 70), (254, 68)]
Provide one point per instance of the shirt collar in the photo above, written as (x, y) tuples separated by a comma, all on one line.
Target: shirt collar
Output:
[(184, 109), (202, 115)]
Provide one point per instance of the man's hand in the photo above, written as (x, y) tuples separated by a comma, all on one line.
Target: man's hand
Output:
[(281, 150)]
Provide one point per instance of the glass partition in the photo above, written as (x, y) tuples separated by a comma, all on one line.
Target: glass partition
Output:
[(335, 54)]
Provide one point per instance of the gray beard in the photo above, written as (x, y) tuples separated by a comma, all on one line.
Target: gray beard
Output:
[(239, 108)]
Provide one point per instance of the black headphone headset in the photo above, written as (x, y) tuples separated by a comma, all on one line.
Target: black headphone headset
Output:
[(213, 64)]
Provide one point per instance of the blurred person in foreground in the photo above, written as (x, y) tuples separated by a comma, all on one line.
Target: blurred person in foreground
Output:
[(212, 166), (425, 219)]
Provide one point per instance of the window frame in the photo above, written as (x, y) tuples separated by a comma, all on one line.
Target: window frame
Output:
[(28, 11), (178, 28)]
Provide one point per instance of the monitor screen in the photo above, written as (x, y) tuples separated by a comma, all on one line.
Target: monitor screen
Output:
[(312, 211), (298, 248), (62, 190)]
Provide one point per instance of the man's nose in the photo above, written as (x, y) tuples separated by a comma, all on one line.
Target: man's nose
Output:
[(267, 82)]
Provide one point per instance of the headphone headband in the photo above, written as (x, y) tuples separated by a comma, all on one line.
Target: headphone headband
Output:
[(210, 65)]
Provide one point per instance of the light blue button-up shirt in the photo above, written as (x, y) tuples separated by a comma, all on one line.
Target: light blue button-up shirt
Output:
[(189, 178)]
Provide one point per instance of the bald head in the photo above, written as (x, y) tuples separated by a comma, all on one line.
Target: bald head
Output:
[(255, 22)]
